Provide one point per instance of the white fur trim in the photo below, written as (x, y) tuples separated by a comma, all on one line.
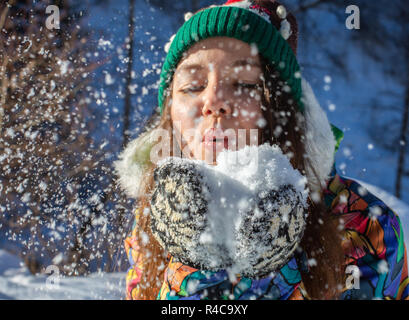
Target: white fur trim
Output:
[(320, 141), (132, 162)]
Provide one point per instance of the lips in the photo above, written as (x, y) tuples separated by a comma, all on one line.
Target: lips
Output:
[(215, 138)]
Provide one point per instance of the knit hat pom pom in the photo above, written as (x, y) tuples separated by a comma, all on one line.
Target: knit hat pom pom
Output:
[(274, 12)]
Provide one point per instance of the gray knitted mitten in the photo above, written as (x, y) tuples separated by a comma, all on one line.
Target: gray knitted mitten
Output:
[(190, 222)]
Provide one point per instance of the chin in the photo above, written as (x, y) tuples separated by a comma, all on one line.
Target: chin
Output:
[(207, 156)]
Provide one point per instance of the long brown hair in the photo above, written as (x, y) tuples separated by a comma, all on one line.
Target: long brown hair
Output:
[(322, 238)]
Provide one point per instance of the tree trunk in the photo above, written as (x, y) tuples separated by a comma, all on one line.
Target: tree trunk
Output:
[(3, 76), (128, 104), (195, 5), (402, 145), (305, 7)]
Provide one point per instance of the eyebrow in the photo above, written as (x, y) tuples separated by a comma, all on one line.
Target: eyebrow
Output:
[(237, 63), (246, 62), (188, 67)]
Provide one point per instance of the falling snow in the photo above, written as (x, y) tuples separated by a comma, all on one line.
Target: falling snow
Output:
[(62, 122)]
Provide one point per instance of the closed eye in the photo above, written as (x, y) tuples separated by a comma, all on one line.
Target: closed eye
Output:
[(251, 86), (248, 85), (193, 89)]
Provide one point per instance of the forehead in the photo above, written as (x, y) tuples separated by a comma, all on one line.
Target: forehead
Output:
[(219, 52)]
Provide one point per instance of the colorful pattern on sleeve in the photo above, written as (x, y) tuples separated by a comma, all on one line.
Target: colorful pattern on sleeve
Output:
[(186, 283), (134, 274), (373, 241)]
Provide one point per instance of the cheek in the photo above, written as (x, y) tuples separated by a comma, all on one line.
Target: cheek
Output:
[(249, 115), (186, 120), (185, 109)]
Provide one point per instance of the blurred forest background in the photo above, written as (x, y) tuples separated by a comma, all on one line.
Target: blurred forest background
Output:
[(71, 98)]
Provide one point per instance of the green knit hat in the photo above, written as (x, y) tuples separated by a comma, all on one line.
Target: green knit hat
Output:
[(246, 21)]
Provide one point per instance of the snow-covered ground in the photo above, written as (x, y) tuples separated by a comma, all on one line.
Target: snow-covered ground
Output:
[(16, 282)]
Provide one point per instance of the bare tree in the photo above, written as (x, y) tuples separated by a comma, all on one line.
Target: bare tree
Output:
[(130, 47), (383, 38), (58, 200), (177, 9)]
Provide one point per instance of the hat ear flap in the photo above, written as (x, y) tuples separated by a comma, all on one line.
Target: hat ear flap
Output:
[(132, 163), (320, 143)]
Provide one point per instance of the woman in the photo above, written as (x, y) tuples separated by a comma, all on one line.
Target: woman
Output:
[(232, 68)]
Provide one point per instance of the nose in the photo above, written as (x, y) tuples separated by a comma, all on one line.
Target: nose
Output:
[(215, 101)]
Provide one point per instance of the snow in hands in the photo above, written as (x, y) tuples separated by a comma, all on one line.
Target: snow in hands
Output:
[(246, 214)]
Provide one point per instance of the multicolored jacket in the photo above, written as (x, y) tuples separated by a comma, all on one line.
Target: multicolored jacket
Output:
[(373, 245)]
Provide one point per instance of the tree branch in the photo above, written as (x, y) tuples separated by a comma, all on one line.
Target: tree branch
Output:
[(4, 13), (311, 5)]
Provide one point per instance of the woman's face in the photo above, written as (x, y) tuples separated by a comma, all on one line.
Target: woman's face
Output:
[(216, 98)]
